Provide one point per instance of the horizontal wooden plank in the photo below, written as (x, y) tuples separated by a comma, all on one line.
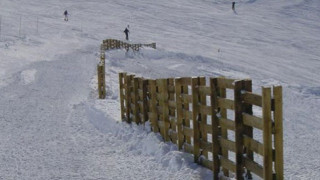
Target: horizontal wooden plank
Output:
[(205, 128), (253, 145), (226, 103), (252, 121), (252, 98), (171, 89), (188, 148), (227, 164), (185, 81), (226, 83), (206, 163), (227, 123), (206, 146), (172, 104), (205, 110), (204, 90), (227, 144), (187, 131), (186, 98), (187, 114), (253, 167)]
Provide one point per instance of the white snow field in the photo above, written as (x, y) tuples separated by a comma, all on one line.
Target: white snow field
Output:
[(53, 126)]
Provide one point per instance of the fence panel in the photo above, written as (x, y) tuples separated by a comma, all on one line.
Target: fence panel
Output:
[(180, 108)]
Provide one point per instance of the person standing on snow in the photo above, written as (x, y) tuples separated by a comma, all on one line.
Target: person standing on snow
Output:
[(65, 15), (126, 31)]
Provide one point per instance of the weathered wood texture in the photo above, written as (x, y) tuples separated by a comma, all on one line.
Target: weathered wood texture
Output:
[(187, 111), (116, 44)]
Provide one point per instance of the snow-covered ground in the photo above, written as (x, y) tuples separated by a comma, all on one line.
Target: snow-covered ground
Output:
[(52, 126)]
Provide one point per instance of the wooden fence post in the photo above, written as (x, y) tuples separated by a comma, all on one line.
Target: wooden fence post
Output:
[(215, 127), (267, 133), (239, 129), (165, 107), (145, 102), (278, 135), (121, 88), (101, 81), (247, 108), (195, 117), (153, 106), (179, 112), (224, 131), (136, 116)]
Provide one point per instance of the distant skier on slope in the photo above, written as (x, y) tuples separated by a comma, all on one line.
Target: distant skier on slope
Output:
[(66, 15), (126, 31)]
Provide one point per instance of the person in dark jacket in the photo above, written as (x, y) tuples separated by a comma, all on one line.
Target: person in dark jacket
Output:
[(126, 31), (65, 15)]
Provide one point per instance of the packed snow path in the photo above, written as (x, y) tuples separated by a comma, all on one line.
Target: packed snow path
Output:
[(50, 131)]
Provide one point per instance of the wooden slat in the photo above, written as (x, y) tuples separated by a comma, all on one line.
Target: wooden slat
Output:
[(226, 83), (224, 131), (254, 167), (179, 113), (165, 107), (205, 145), (122, 108), (227, 164), (171, 89), (205, 110), (153, 107), (195, 114), (253, 145), (206, 163), (227, 144), (252, 121), (186, 98), (172, 104), (188, 148), (187, 115), (187, 131), (226, 103), (227, 123), (215, 129), (252, 98), (267, 133), (204, 90), (185, 81), (278, 135), (205, 128)]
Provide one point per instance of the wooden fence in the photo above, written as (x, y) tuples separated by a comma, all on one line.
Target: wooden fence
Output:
[(110, 44), (213, 119)]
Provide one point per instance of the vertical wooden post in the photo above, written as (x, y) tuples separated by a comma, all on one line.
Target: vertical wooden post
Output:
[(224, 131), (121, 88), (179, 112), (185, 121), (195, 117), (215, 127), (101, 81), (153, 106), (165, 107), (203, 117), (278, 136), (239, 129), (145, 102), (267, 133), (128, 97), (136, 115), (247, 108)]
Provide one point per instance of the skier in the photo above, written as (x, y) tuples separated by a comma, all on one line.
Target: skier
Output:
[(233, 6), (126, 31), (65, 15)]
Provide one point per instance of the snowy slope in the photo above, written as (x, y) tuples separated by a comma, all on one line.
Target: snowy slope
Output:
[(53, 127)]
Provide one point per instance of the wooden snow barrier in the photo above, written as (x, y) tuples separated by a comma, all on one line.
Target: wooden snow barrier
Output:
[(110, 44), (213, 119)]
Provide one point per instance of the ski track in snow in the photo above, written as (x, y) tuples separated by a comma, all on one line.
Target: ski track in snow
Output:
[(52, 126)]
